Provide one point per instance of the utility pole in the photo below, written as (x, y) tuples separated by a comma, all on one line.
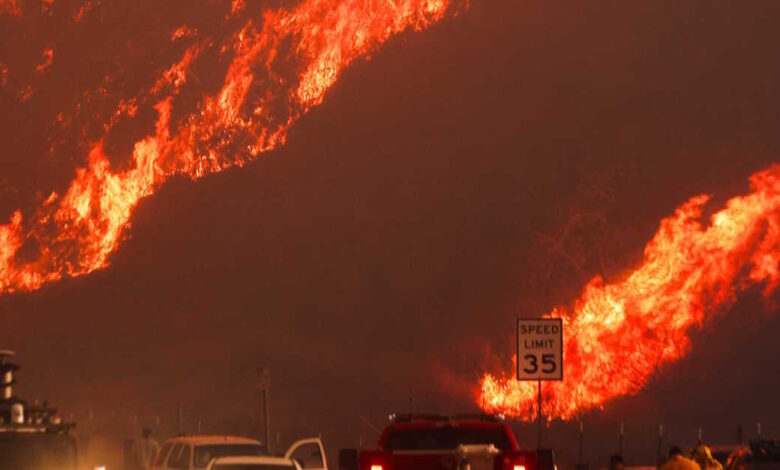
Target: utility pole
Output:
[(660, 444), (264, 375), (620, 441)]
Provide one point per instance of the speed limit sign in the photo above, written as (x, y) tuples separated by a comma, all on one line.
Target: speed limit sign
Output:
[(540, 349)]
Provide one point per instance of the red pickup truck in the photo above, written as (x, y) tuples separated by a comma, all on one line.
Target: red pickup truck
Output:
[(433, 442)]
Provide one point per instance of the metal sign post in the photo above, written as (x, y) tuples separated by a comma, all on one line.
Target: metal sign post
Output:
[(539, 416), (540, 356)]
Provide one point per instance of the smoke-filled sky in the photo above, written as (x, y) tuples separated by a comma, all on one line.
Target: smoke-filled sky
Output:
[(484, 168)]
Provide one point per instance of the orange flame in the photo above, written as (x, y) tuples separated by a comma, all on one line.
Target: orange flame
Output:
[(48, 58), (9, 7), (618, 334), (3, 74), (261, 97)]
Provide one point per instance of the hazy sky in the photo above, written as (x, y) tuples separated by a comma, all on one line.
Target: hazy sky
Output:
[(393, 240)]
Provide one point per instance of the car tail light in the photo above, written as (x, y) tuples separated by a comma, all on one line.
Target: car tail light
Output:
[(519, 467), (376, 467)]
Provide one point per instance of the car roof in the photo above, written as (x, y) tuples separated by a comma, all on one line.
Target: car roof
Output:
[(463, 423), (213, 439), (438, 422), (425, 421), (727, 447), (263, 460)]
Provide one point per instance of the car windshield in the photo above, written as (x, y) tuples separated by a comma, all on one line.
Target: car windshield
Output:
[(206, 453), (444, 438), (252, 466)]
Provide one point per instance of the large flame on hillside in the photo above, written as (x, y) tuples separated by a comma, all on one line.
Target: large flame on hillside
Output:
[(282, 65), (618, 334)]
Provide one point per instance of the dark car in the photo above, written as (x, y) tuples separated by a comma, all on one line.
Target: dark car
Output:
[(721, 453), (759, 455)]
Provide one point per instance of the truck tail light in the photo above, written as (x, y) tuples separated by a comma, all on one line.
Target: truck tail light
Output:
[(518, 461)]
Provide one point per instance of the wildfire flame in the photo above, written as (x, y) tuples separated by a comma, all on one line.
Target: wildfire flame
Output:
[(10, 7), (618, 334), (281, 67)]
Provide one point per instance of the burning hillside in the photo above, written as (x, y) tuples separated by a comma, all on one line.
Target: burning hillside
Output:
[(618, 333)]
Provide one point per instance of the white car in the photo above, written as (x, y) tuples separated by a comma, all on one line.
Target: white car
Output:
[(195, 452), (253, 463), (307, 454)]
